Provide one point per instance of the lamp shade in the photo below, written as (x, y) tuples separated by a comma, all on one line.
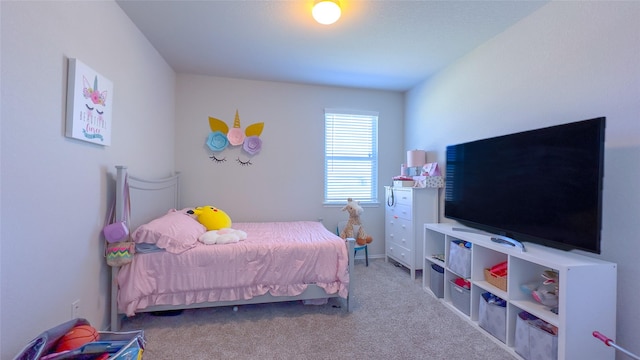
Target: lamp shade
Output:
[(326, 12), (416, 158)]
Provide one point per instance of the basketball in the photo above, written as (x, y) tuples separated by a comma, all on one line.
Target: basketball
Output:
[(77, 337)]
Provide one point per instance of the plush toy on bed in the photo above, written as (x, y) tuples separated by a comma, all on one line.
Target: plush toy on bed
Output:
[(211, 217), (218, 225), (222, 236), (354, 209)]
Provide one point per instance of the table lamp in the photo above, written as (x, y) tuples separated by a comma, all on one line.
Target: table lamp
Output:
[(415, 160)]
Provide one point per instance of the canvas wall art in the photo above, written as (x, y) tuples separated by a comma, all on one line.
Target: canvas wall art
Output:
[(89, 104)]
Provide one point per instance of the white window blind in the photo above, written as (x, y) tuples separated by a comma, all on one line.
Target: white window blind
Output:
[(350, 156)]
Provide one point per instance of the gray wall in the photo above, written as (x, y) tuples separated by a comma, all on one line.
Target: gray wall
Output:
[(569, 61), (55, 189)]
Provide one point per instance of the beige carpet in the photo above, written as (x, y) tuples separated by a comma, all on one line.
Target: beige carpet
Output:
[(391, 318)]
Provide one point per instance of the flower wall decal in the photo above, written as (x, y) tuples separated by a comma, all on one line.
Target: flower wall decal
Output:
[(252, 145), (217, 141)]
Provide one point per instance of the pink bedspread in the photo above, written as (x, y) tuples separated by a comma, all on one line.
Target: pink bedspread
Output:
[(280, 258)]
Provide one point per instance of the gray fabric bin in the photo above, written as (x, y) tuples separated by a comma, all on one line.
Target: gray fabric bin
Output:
[(533, 343), (493, 318), (460, 297), (460, 260), (437, 280)]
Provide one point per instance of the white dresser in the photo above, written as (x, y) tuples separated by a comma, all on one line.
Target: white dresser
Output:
[(407, 210)]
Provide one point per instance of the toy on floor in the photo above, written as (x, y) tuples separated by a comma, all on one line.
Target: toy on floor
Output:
[(354, 209), (77, 337), (211, 217)]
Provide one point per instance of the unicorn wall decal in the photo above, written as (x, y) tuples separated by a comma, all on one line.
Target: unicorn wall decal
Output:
[(221, 137)]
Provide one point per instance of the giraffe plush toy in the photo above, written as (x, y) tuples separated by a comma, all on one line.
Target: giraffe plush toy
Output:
[(354, 209)]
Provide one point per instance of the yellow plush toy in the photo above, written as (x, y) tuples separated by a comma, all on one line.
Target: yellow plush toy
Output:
[(211, 217)]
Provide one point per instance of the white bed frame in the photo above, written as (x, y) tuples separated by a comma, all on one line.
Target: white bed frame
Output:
[(151, 199)]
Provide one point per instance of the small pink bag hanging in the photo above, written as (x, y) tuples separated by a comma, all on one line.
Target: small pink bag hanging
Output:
[(119, 249), (117, 230)]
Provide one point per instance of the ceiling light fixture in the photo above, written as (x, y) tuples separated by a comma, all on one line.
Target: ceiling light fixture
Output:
[(326, 12)]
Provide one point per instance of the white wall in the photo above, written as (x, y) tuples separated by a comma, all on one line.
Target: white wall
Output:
[(569, 61), (285, 180), (55, 189)]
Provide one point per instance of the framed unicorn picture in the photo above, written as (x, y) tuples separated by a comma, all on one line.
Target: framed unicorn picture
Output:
[(89, 104)]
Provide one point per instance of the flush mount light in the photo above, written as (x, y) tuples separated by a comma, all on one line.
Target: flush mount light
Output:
[(326, 12)]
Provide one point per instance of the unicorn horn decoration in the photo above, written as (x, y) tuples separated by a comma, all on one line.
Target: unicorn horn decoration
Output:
[(236, 121), (235, 134)]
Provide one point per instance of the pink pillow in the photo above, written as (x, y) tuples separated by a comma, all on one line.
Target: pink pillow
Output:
[(176, 231)]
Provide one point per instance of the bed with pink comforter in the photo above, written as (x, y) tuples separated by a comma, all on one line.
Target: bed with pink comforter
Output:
[(278, 261), (279, 258)]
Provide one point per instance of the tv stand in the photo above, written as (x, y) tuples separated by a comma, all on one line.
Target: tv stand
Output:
[(580, 311), (469, 230)]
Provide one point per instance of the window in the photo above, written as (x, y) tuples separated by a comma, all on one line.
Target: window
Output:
[(350, 156)]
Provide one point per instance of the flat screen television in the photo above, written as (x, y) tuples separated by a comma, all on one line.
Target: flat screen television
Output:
[(542, 186)]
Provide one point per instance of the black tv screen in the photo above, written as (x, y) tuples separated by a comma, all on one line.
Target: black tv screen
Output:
[(542, 186)]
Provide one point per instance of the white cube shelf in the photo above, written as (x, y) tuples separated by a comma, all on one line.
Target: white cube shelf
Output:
[(587, 288)]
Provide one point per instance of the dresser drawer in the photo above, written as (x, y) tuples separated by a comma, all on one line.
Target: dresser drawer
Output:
[(402, 197), (401, 254), (401, 211), (400, 231)]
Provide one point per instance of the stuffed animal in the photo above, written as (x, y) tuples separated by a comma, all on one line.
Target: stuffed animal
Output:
[(222, 236), (354, 209), (212, 218)]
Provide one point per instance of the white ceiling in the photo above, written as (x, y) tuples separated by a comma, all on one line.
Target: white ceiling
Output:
[(384, 44)]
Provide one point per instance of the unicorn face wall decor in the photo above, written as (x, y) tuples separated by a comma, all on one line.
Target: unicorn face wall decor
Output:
[(88, 104), (221, 138)]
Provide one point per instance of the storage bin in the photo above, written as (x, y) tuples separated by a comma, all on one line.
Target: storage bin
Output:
[(119, 345), (498, 281), (531, 341), (403, 183), (460, 298), (460, 260), (437, 280), (492, 315)]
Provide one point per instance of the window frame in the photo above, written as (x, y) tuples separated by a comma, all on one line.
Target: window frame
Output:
[(369, 138)]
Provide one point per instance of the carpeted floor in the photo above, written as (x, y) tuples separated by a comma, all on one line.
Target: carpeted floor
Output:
[(391, 318)]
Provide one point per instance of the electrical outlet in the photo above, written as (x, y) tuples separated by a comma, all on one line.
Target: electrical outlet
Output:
[(75, 309)]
